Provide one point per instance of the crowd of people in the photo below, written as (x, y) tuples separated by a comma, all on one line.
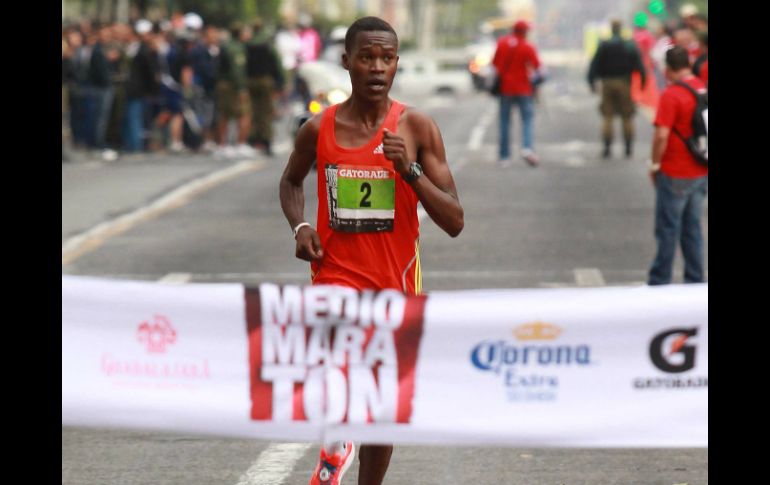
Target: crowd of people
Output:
[(677, 60), (622, 64), (673, 66), (179, 85)]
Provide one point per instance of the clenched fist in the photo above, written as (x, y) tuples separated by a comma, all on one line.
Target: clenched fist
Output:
[(394, 148)]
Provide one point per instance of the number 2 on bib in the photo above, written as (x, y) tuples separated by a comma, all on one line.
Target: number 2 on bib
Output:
[(360, 198)]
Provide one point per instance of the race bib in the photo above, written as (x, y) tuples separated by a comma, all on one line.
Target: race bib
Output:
[(360, 198)]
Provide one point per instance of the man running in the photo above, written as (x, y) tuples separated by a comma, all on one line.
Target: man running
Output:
[(376, 159)]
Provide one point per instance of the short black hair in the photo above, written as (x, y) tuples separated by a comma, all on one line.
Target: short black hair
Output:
[(615, 26), (366, 24), (677, 58)]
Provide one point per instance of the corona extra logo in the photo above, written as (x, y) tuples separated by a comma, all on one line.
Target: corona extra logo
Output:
[(537, 331)]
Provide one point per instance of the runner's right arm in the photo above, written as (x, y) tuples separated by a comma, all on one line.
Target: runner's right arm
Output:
[(292, 193)]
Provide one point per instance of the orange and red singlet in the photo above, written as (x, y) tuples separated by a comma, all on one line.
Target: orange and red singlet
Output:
[(367, 214)]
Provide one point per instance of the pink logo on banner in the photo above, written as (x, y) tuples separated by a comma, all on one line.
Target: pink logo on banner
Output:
[(156, 335), (332, 354)]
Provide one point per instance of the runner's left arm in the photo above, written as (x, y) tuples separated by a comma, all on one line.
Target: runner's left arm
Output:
[(436, 187)]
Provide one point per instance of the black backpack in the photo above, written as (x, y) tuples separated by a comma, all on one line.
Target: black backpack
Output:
[(698, 142)]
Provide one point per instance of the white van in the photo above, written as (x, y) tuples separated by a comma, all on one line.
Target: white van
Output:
[(433, 72)]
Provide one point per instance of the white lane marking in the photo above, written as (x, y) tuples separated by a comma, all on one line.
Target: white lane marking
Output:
[(274, 464), (77, 245), (176, 278), (589, 277), (477, 133)]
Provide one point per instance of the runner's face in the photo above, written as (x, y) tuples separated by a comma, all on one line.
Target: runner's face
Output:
[(372, 63)]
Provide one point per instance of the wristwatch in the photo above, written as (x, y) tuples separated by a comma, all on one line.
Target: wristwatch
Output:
[(415, 170)]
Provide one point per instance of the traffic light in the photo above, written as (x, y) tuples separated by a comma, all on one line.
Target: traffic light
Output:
[(640, 19), (657, 7)]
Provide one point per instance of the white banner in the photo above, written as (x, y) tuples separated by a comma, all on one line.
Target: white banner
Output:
[(582, 367)]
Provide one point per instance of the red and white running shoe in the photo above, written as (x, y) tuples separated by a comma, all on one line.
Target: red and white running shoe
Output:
[(332, 467)]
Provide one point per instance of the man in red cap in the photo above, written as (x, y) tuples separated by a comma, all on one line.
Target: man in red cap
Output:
[(517, 63)]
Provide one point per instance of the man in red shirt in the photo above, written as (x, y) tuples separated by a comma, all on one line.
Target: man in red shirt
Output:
[(516, 62), (680, 181)]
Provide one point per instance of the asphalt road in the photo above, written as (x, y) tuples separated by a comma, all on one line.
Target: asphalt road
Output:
[(576, 220)]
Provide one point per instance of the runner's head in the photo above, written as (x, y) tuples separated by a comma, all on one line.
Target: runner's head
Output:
[(371, 57), (366, 24)]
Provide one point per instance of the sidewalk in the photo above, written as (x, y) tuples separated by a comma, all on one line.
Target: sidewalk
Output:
[(94, 191)]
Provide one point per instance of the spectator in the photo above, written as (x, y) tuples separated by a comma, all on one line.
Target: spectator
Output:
[(232, 94), (310, 41), (614, 62), (265, 78), (205, 62), (680, 182), (310, 49), (175, 82), (658, 53), (687, 13), (701, 65), (685, 37), (79, 102), (699, 23), (67, 76), (142, 84), (119, 65), (102, 90), (335, 47), (515, 60), (288, 45)]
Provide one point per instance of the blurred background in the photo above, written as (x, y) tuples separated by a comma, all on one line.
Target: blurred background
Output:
[(451, 41), (420, 23)]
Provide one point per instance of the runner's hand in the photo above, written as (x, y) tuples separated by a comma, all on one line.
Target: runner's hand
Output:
[(308, 244), (394, 149)]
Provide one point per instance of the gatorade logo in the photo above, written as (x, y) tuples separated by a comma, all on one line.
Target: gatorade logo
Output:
[(671, 351), (364, 174), (332, 354)]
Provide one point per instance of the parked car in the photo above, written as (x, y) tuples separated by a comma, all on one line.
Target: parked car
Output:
[(433, 72)]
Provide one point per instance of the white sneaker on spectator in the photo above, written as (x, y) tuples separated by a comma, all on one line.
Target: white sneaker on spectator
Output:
[(504, 163), (176, 147), (109, 155), (209, 147), (244, 150), (226, 151), (530, 157)]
